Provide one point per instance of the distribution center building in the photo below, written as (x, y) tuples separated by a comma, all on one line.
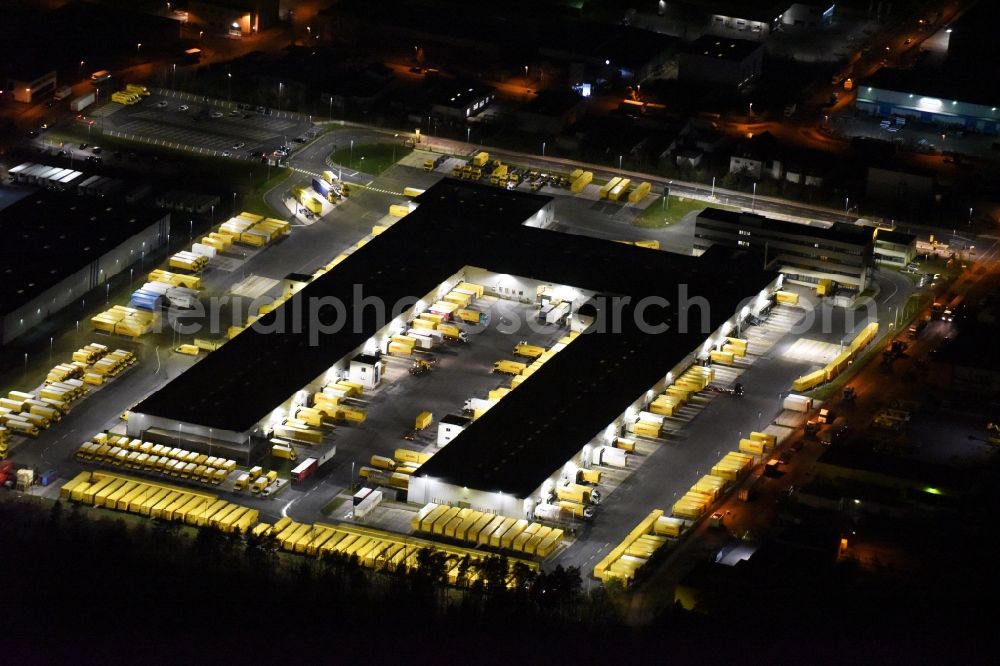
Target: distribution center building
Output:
[(804, 253), (59, 247), (630, 306)]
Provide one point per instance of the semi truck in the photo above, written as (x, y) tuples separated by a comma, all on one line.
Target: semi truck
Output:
[(82, 102), (304, 470)]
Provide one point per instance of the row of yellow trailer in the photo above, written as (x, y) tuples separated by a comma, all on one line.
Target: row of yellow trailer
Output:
[(175, 279), (579, 180), (123, 451), (122, 320), (374, 549), (634, 551), (676, 395), (840, 363), (487, 529), (698, 500), (732, 349), (520, 371), (130, 94), (618, 187), (27, 413), (159, 500), (188, 261)]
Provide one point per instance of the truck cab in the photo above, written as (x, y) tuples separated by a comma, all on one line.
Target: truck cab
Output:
[(259, 484), (255, 472), (241, 481)]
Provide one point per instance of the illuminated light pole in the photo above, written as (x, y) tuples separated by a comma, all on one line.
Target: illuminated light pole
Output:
[(847, 201), (350, 160), (620, 163), (229, 83), (543, 149), (750, 111), (970, 216), (395, 138), (138, 47), (753, 199), (713, 187), (81, 69), (281, 87), (468, 134)]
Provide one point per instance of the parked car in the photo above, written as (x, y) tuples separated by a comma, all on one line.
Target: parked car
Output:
[(183, 107), (238, 145), (215, 114), (162, 104)]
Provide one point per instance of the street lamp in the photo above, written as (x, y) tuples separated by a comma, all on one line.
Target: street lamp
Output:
[(753, 199), (543, 149), (137, 48), (750, 112), (468, 134), (281, 87), (229, 83), (81, 69), (350, 161), (620, 163), (525, 71), (713, 187), (847, 200), (970, 216), (395, 138)]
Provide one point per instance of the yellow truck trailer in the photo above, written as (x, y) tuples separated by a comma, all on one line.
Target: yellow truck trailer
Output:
[(509, 367)]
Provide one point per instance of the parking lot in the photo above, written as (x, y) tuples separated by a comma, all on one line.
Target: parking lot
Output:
[(216, 127)]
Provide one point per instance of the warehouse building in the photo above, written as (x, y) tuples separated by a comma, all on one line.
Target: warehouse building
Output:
[(721, 60), (509, 458), (943, 100), (29, 86), (59, 247), (459, 99), (808, 254)]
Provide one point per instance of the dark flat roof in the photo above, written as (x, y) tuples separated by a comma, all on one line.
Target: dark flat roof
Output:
[(839, 232), (723, 48), (456, 93), (535, 428), (230, 382), (48, 236), (962, 86)]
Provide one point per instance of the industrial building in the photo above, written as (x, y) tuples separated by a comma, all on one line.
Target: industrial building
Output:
[(939, 100), (59, 247), (459, 99), (721, 60), (841, 254), (508, 458), (28, 86), (895, 248), (759, 18), (234, 17)]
